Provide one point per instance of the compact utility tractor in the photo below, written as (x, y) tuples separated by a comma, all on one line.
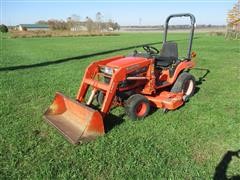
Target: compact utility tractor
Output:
[(153, 78)]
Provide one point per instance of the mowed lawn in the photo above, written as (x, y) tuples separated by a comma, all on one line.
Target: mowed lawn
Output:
[(187, 143)]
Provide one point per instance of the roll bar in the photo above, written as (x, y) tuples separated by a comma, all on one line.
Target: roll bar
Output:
[(192, 18)]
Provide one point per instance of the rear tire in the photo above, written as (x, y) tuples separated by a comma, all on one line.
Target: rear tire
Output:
[(137, 106), (185, 83)]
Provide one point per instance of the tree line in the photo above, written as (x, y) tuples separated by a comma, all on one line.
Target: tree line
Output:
[(161, 27), (92, 25)]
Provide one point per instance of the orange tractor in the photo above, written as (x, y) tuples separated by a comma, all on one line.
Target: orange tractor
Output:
[(136, 82)]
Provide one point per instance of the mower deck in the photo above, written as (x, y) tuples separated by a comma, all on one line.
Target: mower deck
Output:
[(167, 100)]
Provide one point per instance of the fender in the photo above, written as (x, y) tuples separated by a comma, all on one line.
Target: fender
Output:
[(184, 65)]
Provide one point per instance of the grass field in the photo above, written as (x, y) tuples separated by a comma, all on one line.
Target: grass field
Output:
[(187, 143)]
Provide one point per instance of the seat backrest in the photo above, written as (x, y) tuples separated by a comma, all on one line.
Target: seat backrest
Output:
[(169, 49)]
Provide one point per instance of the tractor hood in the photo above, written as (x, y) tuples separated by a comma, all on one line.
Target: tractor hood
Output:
[(127, 61)]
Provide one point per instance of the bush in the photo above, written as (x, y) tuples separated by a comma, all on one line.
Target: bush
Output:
[(31, 34), (232, 34), (215, 33), (3, 28)]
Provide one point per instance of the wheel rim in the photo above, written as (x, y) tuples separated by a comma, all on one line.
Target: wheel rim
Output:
[(141, 109), (188, 87)]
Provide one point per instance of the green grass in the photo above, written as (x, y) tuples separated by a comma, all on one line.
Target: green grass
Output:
[(184, 144)]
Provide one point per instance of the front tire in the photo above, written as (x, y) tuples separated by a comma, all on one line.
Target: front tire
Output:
[(185, 83), (137, 106)]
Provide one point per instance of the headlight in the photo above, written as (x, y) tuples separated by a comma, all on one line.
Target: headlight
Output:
[(106, 70)]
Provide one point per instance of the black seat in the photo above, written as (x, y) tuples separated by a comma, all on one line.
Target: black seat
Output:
[(168, 55)]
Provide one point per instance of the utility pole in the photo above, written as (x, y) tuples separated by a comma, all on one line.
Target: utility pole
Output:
[(140, 21)]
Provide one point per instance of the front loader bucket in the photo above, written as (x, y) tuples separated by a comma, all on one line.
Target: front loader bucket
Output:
[(76, 121)]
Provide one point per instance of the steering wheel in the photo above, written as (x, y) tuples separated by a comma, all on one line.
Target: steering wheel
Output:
[(150, 49)]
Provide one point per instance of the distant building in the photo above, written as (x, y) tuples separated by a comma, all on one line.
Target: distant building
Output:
[(12, 27), (33, 27), (110, 29), (78, 27)]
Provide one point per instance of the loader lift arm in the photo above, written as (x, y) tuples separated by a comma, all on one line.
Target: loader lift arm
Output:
[(110, 88)]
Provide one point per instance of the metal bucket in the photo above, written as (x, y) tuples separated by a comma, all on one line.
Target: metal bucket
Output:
[(76, 121)]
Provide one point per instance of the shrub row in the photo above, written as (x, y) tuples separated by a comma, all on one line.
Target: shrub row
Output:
[(31, 34)]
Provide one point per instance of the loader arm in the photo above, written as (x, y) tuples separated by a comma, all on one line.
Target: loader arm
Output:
[(90, 80), (89, 76), (76, 120)]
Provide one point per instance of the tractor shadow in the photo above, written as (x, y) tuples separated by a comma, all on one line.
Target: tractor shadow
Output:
[(111, 121), (201, 79), (75, 58), (221, 168)]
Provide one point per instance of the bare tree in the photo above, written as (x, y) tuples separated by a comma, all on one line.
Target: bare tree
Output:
[(73, 21), (89, 24), (112, 25), (41, 22), (233, 20), (75, 18), (99, 17), (57, 24), (116, 26)]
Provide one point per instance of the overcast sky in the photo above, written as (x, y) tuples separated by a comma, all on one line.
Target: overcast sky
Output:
[(125, 12)]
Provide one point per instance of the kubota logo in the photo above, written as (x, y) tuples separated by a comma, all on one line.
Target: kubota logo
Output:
[(132, 67)]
